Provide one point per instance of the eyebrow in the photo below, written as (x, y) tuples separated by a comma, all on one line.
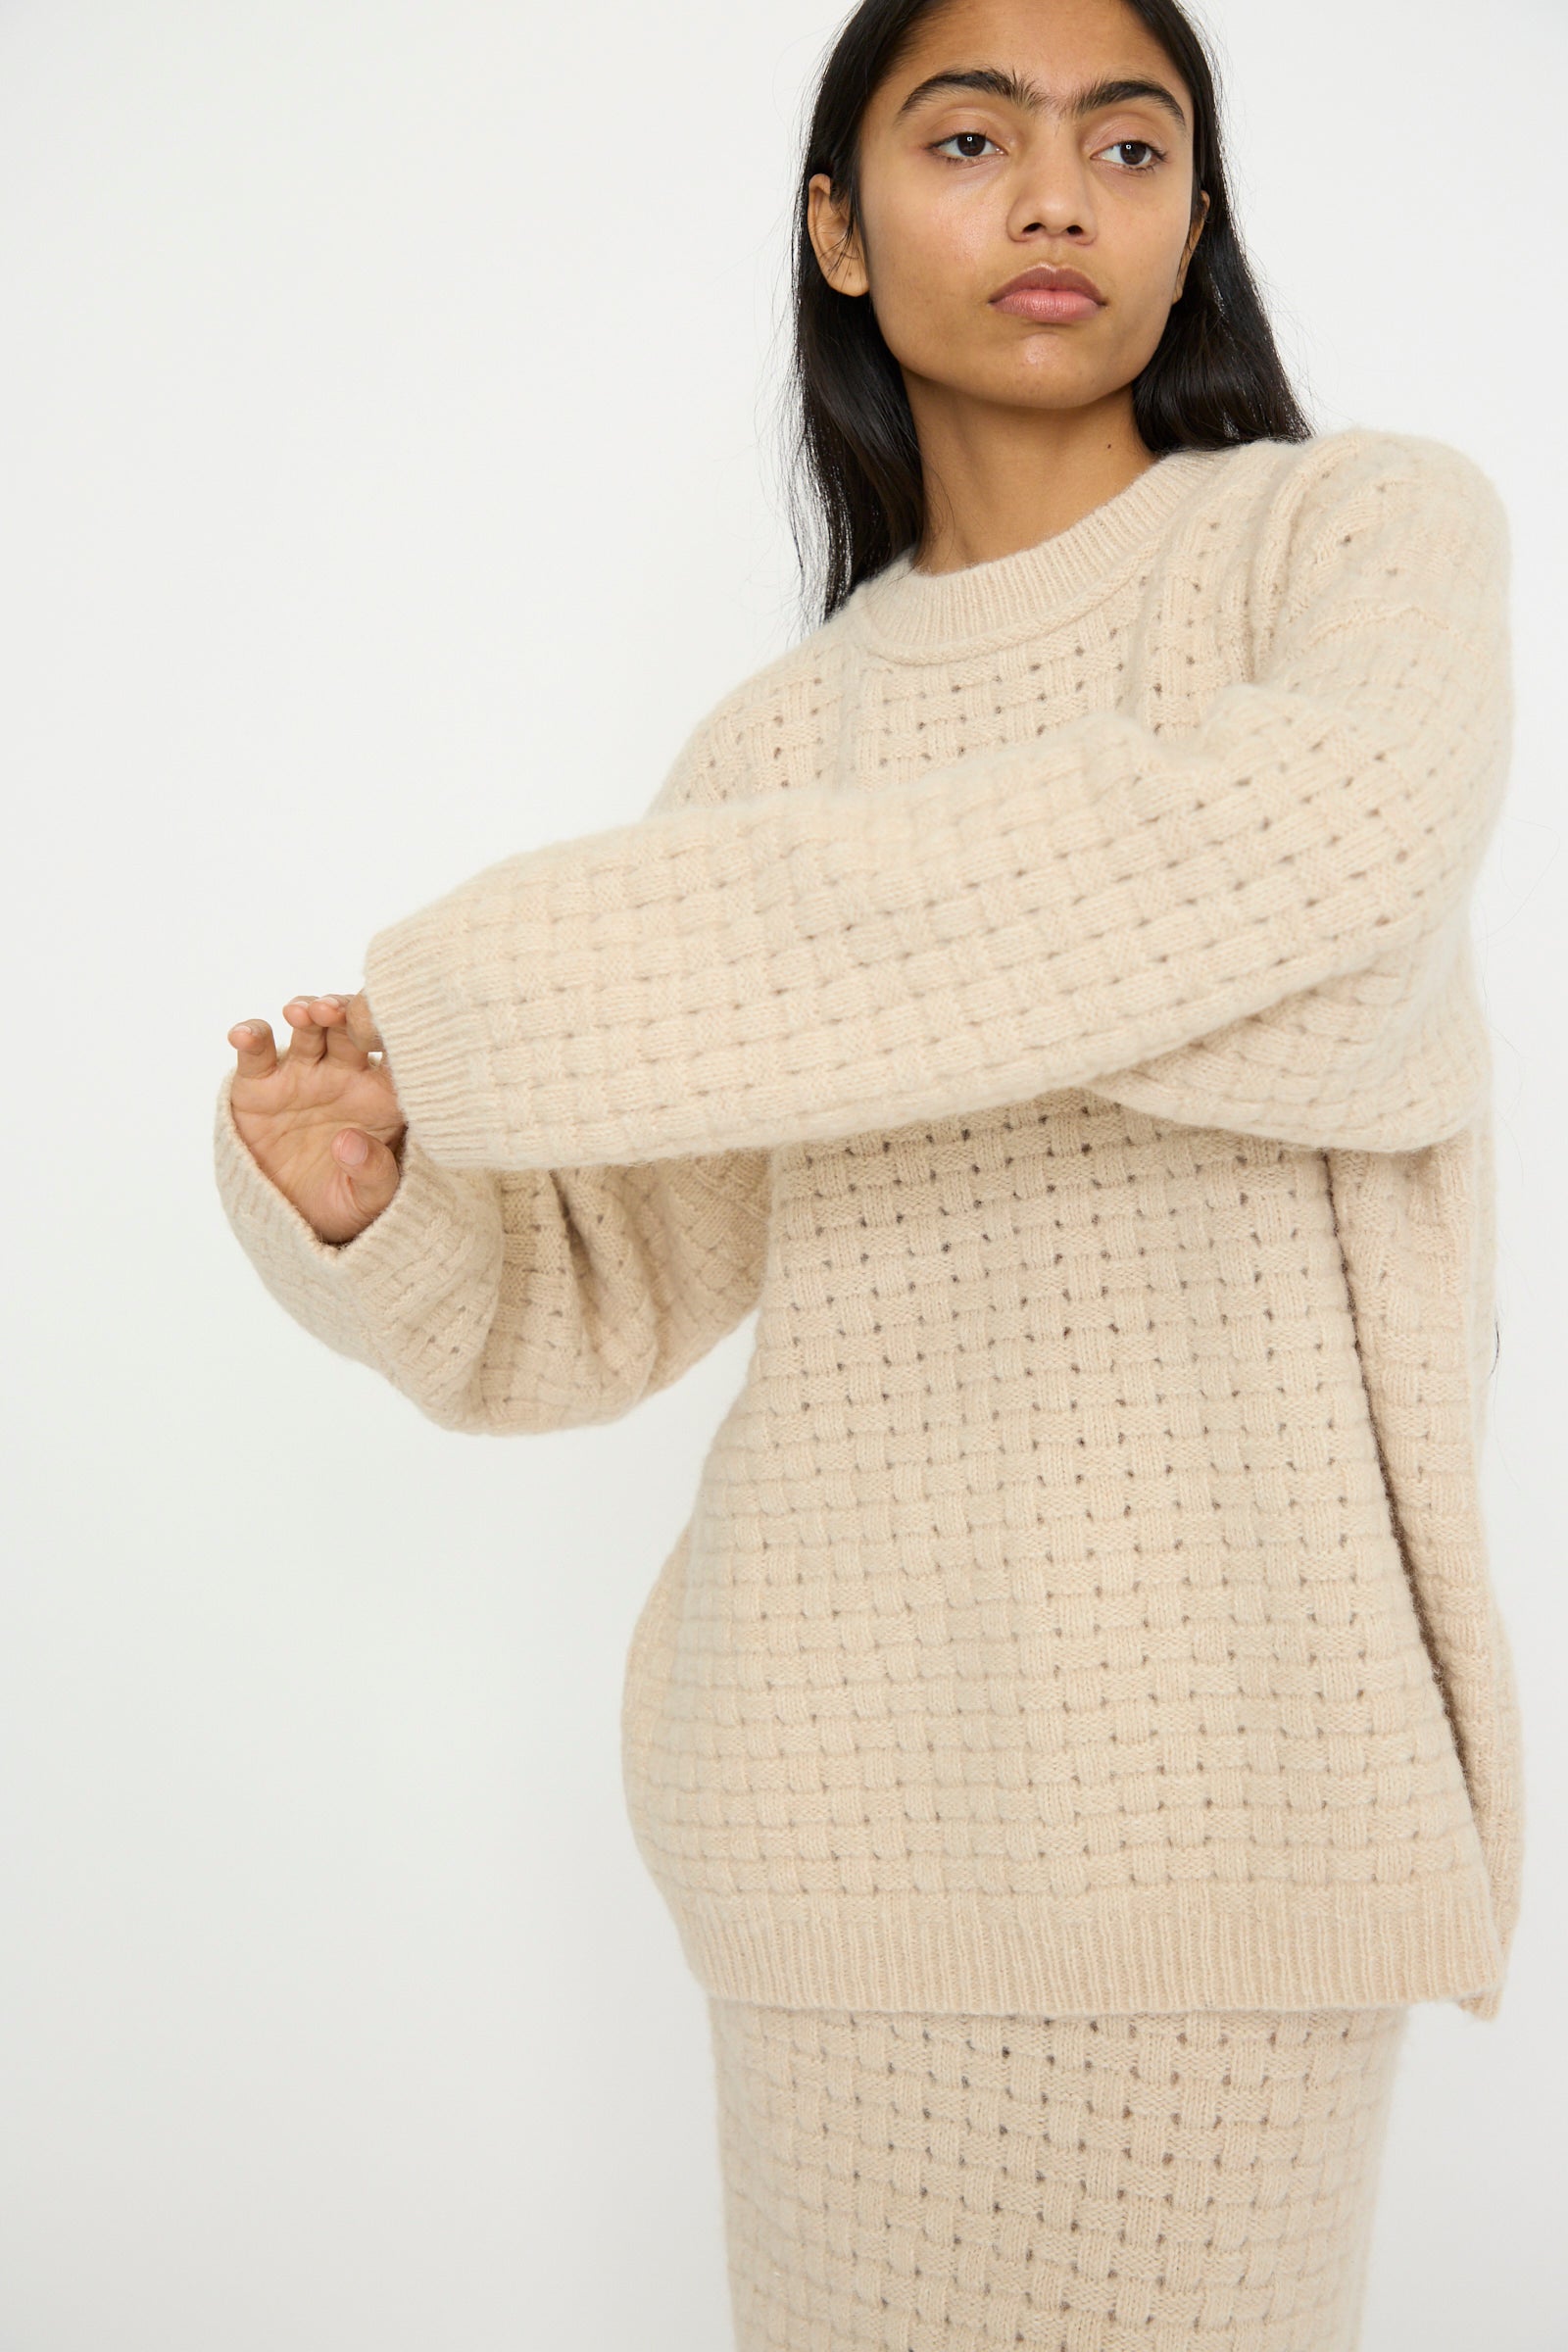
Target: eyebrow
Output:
[(992, 82)]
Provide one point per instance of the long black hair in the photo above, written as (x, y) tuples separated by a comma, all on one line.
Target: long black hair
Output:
[(856, 493)]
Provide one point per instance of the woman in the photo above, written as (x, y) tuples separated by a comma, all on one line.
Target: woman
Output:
[(1074, 1726)]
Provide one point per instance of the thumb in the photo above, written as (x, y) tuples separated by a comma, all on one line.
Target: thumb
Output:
[(371, 1167)]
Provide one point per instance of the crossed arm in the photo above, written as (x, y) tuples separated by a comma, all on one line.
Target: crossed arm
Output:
[(1263, 920), (1259, 924)]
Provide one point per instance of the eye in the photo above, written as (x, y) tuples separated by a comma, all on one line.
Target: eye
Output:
[(1156, 153), (963, 134)]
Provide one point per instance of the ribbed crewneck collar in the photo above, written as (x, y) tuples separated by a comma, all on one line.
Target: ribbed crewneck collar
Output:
[(918, 614)]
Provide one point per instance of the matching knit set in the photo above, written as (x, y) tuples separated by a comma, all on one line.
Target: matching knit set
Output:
[(1074, 1723)]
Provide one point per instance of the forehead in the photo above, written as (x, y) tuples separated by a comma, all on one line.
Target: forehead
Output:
[(1046, 57)]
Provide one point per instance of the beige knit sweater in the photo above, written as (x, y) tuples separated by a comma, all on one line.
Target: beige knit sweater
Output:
[(1045, 996)]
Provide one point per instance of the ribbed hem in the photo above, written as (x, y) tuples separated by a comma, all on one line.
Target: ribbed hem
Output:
[(1126, 1953), (921, 616)]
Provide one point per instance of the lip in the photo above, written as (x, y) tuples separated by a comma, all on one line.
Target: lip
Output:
[(1047, 277), (1051, 296)]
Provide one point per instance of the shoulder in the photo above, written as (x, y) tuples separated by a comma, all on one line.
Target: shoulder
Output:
[(1366, 521), (1366, 467)]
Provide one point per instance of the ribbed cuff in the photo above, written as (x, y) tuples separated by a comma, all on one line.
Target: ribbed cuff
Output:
[(384, 1297), (438, 1059)]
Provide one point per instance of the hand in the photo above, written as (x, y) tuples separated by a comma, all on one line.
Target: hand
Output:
[(304, 1114)]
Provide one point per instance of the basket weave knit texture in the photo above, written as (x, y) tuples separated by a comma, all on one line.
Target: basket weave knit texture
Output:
[(1203, 2183), (1045, 996)]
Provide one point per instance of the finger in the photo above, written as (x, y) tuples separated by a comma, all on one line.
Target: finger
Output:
[(308, 1042), (371, 1168), (333, 1014), (257, 1055), (362, 1024)]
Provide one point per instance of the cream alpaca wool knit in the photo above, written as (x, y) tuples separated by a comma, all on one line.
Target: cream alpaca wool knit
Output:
[(1046, 995)]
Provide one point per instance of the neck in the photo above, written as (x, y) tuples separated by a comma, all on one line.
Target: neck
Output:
[(997, 479)]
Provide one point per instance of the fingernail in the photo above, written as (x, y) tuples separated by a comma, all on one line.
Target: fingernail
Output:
[(353, 1147)]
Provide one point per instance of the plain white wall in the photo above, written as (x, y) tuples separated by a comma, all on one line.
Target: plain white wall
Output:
[(389, 484)]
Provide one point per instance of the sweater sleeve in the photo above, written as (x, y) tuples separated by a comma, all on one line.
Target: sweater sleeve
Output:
[(518, 1300), (501, 1302), (1091, 904)]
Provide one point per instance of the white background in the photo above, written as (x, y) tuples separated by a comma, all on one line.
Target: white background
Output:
[(389, 483)]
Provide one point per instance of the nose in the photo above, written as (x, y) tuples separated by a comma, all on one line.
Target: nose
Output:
[(1053, 198)]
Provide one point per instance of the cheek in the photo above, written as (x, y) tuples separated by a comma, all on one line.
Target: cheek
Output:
[(1154, 247), (927, 259)]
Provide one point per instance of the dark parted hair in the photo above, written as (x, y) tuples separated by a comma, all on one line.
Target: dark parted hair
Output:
[(855, 489)]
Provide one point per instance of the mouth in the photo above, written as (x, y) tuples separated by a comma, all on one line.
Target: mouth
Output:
[(1049, 295)]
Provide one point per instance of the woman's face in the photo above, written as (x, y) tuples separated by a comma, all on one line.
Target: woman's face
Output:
[(962, 188)]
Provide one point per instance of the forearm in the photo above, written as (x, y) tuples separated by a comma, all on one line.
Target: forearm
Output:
[(1391, 1059), (518, 1303), (411, 1295), (815, 964)]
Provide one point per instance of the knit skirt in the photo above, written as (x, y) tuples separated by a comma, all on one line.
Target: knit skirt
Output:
[(943, 2184)]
